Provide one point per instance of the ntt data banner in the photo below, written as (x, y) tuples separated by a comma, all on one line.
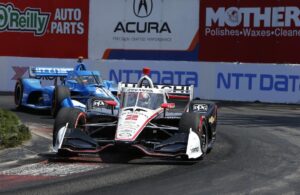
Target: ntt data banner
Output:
[(250, 31), (256, 82), (144, 30), (49, 28)]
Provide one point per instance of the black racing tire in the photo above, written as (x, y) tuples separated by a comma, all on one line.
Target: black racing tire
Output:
[(204, 139), (18, 93), (192, 120), (189, 120), (59, 94), (75, 117)]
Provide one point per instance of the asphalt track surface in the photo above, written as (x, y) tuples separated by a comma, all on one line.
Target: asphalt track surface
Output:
[(256, 152)]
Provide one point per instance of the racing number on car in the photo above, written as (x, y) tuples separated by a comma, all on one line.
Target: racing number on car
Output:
[(132, 117)]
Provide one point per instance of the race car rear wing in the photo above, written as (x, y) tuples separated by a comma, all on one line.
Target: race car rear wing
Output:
[(173, 91), (38, 72)]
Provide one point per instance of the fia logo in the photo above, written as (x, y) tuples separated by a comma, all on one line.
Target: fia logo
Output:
[(142, 8)]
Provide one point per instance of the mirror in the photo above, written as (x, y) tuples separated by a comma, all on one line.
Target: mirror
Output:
[(167, 105)]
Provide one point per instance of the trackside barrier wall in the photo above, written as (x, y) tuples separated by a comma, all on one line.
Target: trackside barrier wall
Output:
[(216, 81), (119, 38)]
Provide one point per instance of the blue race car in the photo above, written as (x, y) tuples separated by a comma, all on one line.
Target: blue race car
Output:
[(73, 87)]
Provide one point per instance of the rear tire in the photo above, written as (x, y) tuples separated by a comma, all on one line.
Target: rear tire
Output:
[(18, 94), (59, 94)]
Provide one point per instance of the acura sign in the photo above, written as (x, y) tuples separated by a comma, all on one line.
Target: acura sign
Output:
[(142, 8)]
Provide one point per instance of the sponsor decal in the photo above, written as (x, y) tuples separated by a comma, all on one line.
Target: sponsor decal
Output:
[(211, 119), (261, 82), (158, 77), (253, 21), (67, 21), (43, 73), (193, 146), (19, 72), (139, 29), (49, 70), (98, 103), (124, 135), (244, 30), (30, 20), (142, 8), (194, 150), (41, 24), (200, 107), (48, 73), (136, 89)]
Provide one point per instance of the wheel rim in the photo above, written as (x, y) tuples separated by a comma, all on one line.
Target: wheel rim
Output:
[(80, 122)]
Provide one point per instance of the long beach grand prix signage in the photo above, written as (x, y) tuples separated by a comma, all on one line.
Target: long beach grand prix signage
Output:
[(250, 31), (44, 28)]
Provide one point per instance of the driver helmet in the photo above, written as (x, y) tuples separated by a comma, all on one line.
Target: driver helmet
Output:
[(84, 80), (144, 97), (91, 80)]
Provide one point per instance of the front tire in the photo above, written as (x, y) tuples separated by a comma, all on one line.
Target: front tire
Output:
[(18, 94), (193, 120), (73, 116), (60, 93)]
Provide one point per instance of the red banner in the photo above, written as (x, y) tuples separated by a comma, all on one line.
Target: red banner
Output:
[(250, 31), (48, 28)]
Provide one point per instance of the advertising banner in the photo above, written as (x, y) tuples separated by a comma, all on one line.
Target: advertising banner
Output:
[(250, 31), (256, 82), (213, 81), (49, 28), (163, 72), (144, 30)]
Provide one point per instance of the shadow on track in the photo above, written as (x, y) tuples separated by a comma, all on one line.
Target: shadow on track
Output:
[(113, 156)]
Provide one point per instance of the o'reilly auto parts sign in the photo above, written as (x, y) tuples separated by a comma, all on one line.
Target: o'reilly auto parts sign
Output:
[(56, 28)]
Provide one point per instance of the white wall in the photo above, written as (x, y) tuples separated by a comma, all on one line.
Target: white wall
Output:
[(216, 81)]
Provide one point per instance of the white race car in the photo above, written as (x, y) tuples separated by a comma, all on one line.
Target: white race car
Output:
[(146, 121)]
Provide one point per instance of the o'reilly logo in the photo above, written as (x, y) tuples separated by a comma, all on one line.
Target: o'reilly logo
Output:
[(253, 17), (29, 20)]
